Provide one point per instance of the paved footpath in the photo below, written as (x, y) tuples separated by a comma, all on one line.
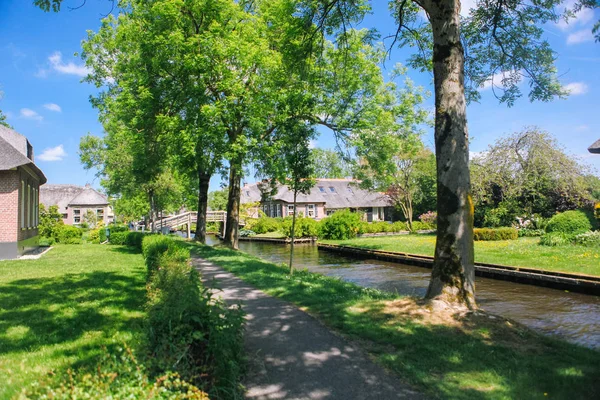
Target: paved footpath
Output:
[(294, 356)]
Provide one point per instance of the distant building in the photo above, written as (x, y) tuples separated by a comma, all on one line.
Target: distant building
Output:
[(595, 148), (74, 202), (20, 181), (325, 198)]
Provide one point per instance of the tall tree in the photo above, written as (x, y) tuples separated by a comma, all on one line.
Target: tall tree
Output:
[(503, 39), (329, 164)]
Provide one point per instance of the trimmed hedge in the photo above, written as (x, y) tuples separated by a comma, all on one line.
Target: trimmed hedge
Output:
[(68, 234), (305, 227), (341, 225), (571, 222), (189, 331), (483, 234), (134, 239), (117, 238)]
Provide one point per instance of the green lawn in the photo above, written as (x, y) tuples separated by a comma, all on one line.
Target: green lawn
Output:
[(474, 357), (59, 311), (524, 252)]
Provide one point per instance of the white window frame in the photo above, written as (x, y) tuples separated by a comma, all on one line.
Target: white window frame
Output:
[(290, 209), (22, 204), (77, 216), (310, 211), (331, 189)]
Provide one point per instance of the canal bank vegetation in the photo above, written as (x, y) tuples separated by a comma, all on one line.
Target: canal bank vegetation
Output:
[(523, 252), (446, 355)]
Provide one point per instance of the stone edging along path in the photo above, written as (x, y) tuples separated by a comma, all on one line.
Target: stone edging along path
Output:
[(586, 284), (294, 356)]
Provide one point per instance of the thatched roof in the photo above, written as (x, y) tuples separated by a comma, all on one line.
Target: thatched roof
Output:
[(13, 152), (335, 193), (65, 196), (595, 148)]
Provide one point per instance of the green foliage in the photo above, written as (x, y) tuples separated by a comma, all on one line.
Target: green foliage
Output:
[(96, 384), (67, 234), (264, 225), (421, 226), (590, 239), (305, 227), (381, 226), (46, 241), (134, 239), (246, 233), (329, 164), (117, 238), (340, 225), (190, 331), (495, 234), (571, 222), (94, 236), (217, 200), (50, 222), (527, 232), (556, 239)]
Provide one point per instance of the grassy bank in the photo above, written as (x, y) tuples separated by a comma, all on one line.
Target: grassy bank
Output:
[(469, 357), (59, 311), (524, 252)]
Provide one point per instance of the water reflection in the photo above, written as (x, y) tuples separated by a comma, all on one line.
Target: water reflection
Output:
[(573, 316)]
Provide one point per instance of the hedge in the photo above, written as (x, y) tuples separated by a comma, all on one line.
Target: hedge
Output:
[(571, 222), (68, 234), (341, 225), (480, 234), (305, 227), (189, 331)]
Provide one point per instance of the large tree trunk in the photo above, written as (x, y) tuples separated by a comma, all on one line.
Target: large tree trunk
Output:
[(452, 279), (203, 184), (230, 237), (293, 235)]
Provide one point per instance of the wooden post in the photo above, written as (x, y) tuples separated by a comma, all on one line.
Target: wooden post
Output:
[(189, 225)]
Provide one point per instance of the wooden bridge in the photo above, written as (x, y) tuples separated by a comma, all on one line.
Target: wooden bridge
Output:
[(188, 218)]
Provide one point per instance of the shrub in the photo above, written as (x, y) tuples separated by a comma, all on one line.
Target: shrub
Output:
[(526, 232), (118, 228), (305, 227), (100, 382), (399, 226), (495, 234), (134, 239), (50, 222), (590, 239), (556, 239), (569, 222), (429, 218), (117, 238), (46, 241), (69, 234), (247, 233), (94, 236), (421, 226), (340, 225), (265, 225), (189, 331)]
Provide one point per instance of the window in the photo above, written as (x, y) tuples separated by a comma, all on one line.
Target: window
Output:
[(329, 212), (291, 210), (22, 204), (331, 189), (100, 213), (76, 216), (248, 193), (350, 189), (36, 215), (64, 216), (278, 210), (311, 210), (29, 206), (321, 189)]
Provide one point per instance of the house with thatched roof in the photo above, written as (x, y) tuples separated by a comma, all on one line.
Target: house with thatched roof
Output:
[(595, 148), (325, 198), (20, 181), (76, 202)]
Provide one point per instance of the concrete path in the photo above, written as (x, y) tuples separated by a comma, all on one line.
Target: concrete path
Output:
[(293, 356)]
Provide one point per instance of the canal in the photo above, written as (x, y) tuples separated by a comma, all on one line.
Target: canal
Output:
[(572, 316)]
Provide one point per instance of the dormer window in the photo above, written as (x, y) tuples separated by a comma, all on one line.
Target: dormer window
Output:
[(331, 189), (321, 189), (29, 151)]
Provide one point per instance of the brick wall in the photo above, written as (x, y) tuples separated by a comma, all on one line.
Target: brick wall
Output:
[(9, 206)]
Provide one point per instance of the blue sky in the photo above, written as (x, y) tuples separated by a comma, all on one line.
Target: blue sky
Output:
[(45, 101)]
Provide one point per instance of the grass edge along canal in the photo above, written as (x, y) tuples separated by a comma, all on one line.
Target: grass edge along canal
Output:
[(476, 356), (523, 252)]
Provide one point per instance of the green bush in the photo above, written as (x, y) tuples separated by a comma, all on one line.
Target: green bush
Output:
[(421, 226), (189, 331), (481, 234), (526, 232), (117, 228), (556, 239), (265, 225), (399, 226), (377, 227), (100, 383), (570, 222), (305, 227), (134, 239), (247, 233), (68, 234), (589, 239), (94, 236), (46, 241), (117, 238), (340, 225)]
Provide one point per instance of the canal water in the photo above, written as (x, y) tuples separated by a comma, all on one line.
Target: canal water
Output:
[(572, 316)]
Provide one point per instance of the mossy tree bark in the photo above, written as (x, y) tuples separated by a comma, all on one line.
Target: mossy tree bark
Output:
[(230, 237), (453, 275), (203, 184)]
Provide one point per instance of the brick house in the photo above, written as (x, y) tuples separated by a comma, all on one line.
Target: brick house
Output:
[(74, 202), (20, 181), (325, 198)]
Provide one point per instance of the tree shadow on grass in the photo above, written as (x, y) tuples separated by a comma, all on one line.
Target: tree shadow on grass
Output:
[(476, 357), (125, 249), (48, 311)]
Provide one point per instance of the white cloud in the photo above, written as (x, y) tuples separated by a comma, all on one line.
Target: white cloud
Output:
[(53, 107), (581, 17), (584, 35), (465, 7), (30, 114), (582, 128), (576, 88), (496, 80), (312, 144), (53, 154), (57, 64)]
